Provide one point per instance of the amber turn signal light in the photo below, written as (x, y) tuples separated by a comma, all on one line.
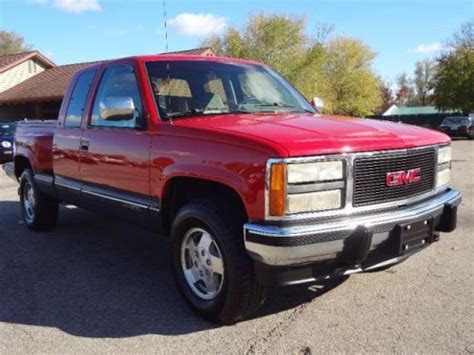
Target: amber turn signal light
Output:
[(277, 189)]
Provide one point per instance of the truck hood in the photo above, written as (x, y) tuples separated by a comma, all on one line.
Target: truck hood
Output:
[(304, 134)]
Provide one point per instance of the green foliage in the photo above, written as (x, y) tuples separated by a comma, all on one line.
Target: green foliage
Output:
[(11, 43), (424, 76), (349, 84), (339, 70), (454, 81)]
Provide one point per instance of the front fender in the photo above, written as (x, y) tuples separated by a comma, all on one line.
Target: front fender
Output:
[(248, 182)]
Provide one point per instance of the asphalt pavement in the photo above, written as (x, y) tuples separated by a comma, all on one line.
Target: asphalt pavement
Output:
[(97, 285)]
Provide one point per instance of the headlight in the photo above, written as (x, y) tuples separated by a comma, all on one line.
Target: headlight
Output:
[(6, 144), (444, 155), (314, 201), (444, 176), (315, 172), (305, 187), (444, 167)]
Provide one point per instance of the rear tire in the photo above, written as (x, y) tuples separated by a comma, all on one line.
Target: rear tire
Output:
[(235, 294), (39, 212)]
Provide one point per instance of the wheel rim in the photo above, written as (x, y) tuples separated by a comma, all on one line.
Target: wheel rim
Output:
[(29, 202), (202, 263)]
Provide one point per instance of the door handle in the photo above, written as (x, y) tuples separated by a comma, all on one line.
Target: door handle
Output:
[(84, 145)]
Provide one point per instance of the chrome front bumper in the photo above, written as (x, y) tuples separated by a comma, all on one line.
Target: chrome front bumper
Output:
[(288, 245)]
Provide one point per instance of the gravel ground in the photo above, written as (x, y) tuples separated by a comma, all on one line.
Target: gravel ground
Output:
[(97, 285)]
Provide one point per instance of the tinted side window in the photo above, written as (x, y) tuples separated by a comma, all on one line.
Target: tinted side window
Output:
[(118, 87), (78, 99)]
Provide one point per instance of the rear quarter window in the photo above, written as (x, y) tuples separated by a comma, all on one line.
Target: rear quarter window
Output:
[(78, 99)]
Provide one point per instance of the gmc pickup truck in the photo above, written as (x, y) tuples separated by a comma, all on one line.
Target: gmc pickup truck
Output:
[(248, 184)]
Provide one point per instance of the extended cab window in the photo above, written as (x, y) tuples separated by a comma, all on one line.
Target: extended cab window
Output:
[(117, 103), (78, 99)]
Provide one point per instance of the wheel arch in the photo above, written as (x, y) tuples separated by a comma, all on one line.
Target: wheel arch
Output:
[(21, 164), (180, 190)]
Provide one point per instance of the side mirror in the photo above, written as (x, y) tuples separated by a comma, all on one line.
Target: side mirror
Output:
[(317, 104), (117, 108)]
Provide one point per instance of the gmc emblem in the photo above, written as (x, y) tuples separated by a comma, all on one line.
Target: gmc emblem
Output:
[(397, 178)]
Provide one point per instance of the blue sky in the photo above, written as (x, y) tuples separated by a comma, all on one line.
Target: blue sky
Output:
[(69, 31)]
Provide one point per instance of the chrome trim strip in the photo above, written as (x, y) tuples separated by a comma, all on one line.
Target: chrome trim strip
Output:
[(115, 199), (319, 186), (56, 183), (277, 255), (349, 159), (443, 166), (59, 181), (44, 178)]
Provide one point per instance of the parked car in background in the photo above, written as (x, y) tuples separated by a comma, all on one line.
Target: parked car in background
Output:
[(459, 126), (7, 133)]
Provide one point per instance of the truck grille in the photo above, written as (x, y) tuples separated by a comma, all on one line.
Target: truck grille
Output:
[(370, 177)]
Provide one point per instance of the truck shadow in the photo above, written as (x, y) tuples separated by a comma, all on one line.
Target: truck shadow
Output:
[(97, 277)]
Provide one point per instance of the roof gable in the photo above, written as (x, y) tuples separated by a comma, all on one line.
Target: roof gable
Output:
[(12, 60), (48, 85)]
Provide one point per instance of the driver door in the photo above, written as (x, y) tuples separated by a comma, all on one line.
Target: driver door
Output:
[(115, 148)]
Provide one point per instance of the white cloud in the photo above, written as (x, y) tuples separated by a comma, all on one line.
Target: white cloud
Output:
[(427, 48), (78, 6), (198, 25)]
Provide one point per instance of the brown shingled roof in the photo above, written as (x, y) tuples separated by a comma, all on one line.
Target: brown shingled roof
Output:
[(194, 51), (8, 61), (48, 85), (51, 84)]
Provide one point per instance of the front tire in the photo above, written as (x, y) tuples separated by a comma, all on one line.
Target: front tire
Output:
[(39, 212), (210, 264)]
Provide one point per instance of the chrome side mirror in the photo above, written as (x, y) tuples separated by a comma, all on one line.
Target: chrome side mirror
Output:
[(117, 108), (317, 104)]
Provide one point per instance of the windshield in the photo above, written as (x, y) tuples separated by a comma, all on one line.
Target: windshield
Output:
[(7, 130), (190, 88), (456, 120)]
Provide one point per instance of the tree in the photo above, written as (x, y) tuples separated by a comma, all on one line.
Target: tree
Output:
[(386, 94), (349, 85), (424, 74), (277, 40), (405, 92), (337, 70), (465, 37), (12, 43), (454, 81)]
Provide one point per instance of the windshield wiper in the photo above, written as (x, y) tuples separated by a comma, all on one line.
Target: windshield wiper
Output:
[(201, 112), (193, 112), (276, 104), (283, 105)]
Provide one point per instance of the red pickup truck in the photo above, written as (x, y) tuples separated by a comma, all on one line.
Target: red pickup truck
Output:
[(249, 184)]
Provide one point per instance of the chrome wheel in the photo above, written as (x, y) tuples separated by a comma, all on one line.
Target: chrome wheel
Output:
[(202, 263), (29, 202)]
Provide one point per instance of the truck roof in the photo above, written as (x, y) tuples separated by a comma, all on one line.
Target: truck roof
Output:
[(174, 57)]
